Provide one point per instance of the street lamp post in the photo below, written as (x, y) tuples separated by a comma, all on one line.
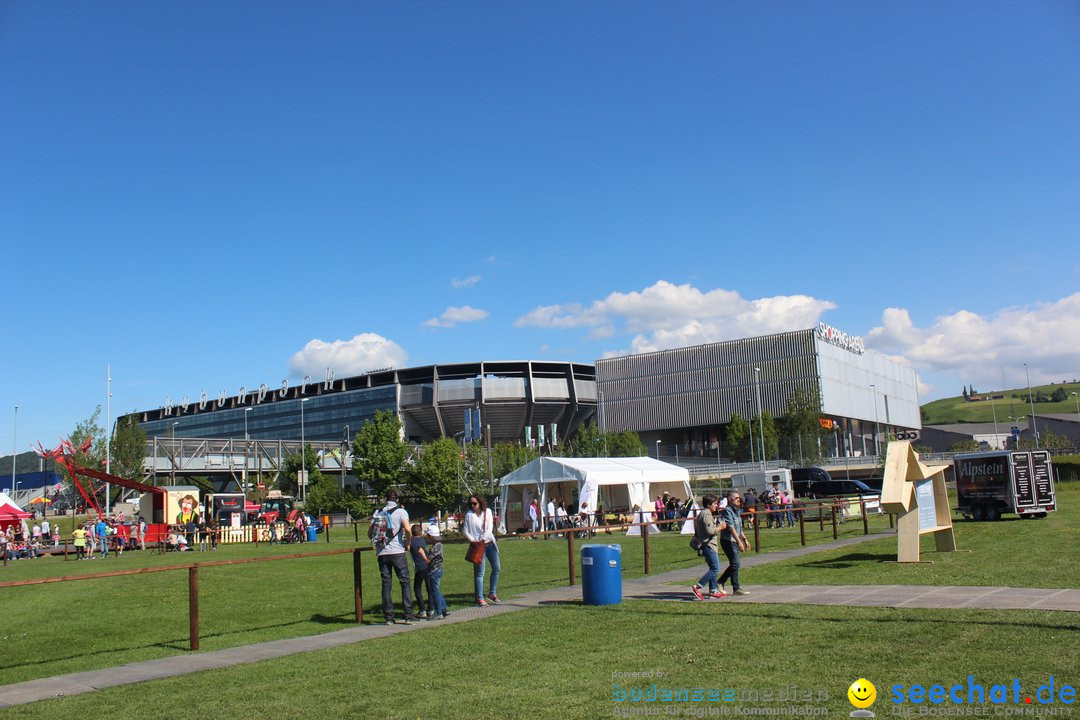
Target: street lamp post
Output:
[(14, 445), (1077, 406), (657, 449), (993, 409), (1034, 426), (750, 426), (303, 453), (247, 449), (172, 449), (761, 423), (877, 429)]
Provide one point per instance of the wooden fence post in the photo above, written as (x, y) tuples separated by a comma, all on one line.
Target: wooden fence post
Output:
[(821, 516), (645, 539), (757, 532), (570, 554), (865, 524), (802, 528), (834, 532), (193, 606), (358, 585), (355, 531)]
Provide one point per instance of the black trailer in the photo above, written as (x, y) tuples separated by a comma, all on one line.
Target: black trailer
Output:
[(991, 483)]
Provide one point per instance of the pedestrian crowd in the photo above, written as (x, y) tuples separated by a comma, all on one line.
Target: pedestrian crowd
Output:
[(397, 540)]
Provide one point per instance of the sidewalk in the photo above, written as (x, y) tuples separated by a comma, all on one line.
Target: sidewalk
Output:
[(653, 587)]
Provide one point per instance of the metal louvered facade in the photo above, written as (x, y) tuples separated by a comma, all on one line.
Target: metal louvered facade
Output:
[(685, 395), (705, 384)]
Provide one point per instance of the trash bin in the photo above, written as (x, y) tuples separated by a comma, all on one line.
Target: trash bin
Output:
[(311, 534), (601, 574)]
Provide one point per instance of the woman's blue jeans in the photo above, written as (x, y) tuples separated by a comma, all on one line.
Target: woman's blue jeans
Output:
[(434, 588), (709, 578), (491, 554)]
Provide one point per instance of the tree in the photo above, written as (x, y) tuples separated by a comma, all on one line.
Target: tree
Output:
[(1059, 395), (590, 441), (767, 428), (434, 476), (128, 448), (93, 457), (801, 428), (379, 452), (479, 475), (626, 444), (508, 457), (1050, 440), (965, 393), (287, 481), (964, 446), (737, 438)]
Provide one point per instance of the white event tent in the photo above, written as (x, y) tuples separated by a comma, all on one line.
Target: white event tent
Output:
[(621, 482)]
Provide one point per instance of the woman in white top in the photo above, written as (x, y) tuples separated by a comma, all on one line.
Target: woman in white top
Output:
[(480, 525)]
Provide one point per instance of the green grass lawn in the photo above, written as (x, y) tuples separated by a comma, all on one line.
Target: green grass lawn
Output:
[(1011, 552), (67, 627), (557, 662), (99, 623)]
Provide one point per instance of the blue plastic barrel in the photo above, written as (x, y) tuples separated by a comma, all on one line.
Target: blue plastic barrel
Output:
[(311, 536), (601, 574)]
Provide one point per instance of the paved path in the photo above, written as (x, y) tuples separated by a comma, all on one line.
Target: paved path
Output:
[(656, 587)]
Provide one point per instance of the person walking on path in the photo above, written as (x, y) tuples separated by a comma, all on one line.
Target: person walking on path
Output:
[(479, 526), (390, 534), (732, 540), (705, 530)]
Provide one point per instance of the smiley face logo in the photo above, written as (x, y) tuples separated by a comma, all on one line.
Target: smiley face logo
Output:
[(862, 693)]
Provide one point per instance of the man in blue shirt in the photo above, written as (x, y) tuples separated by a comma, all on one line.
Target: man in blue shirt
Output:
[(102, 530), (732, 540)]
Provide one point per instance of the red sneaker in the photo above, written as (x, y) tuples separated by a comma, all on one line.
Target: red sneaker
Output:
[(481, 602), (718, 594), (494, 600), (696, 589)]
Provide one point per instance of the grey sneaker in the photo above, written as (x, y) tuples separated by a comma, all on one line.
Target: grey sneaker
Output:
[(423, 614), (740, 591), (389, 621), (411, 620)]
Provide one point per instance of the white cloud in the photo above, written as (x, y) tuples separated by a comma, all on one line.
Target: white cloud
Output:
[(363, 353), (454, 315), (979, 349), (467, 282), (665, 315)]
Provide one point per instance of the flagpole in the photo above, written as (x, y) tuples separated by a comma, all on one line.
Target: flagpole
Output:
[(108, 432)]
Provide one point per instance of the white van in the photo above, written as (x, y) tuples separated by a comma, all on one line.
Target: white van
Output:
[(761, 479)]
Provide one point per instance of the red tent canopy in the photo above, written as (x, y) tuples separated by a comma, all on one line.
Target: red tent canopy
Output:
[(10, 513)]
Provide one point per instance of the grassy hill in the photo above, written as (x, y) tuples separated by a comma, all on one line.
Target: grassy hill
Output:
[(1005, 403)]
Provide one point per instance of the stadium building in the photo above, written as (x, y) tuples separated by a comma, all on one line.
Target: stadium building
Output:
[(681, 399), (431, 402)]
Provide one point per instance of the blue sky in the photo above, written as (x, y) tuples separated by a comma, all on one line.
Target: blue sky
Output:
[(215, 195)]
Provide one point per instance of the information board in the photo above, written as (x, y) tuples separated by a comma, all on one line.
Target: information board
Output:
[(1041, 478), (1023, 490), (924, 498)]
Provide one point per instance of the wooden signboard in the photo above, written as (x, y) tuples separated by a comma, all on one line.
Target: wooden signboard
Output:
[(915, 492)]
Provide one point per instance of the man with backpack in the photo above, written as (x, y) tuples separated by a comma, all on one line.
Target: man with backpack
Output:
[(389, 533)]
